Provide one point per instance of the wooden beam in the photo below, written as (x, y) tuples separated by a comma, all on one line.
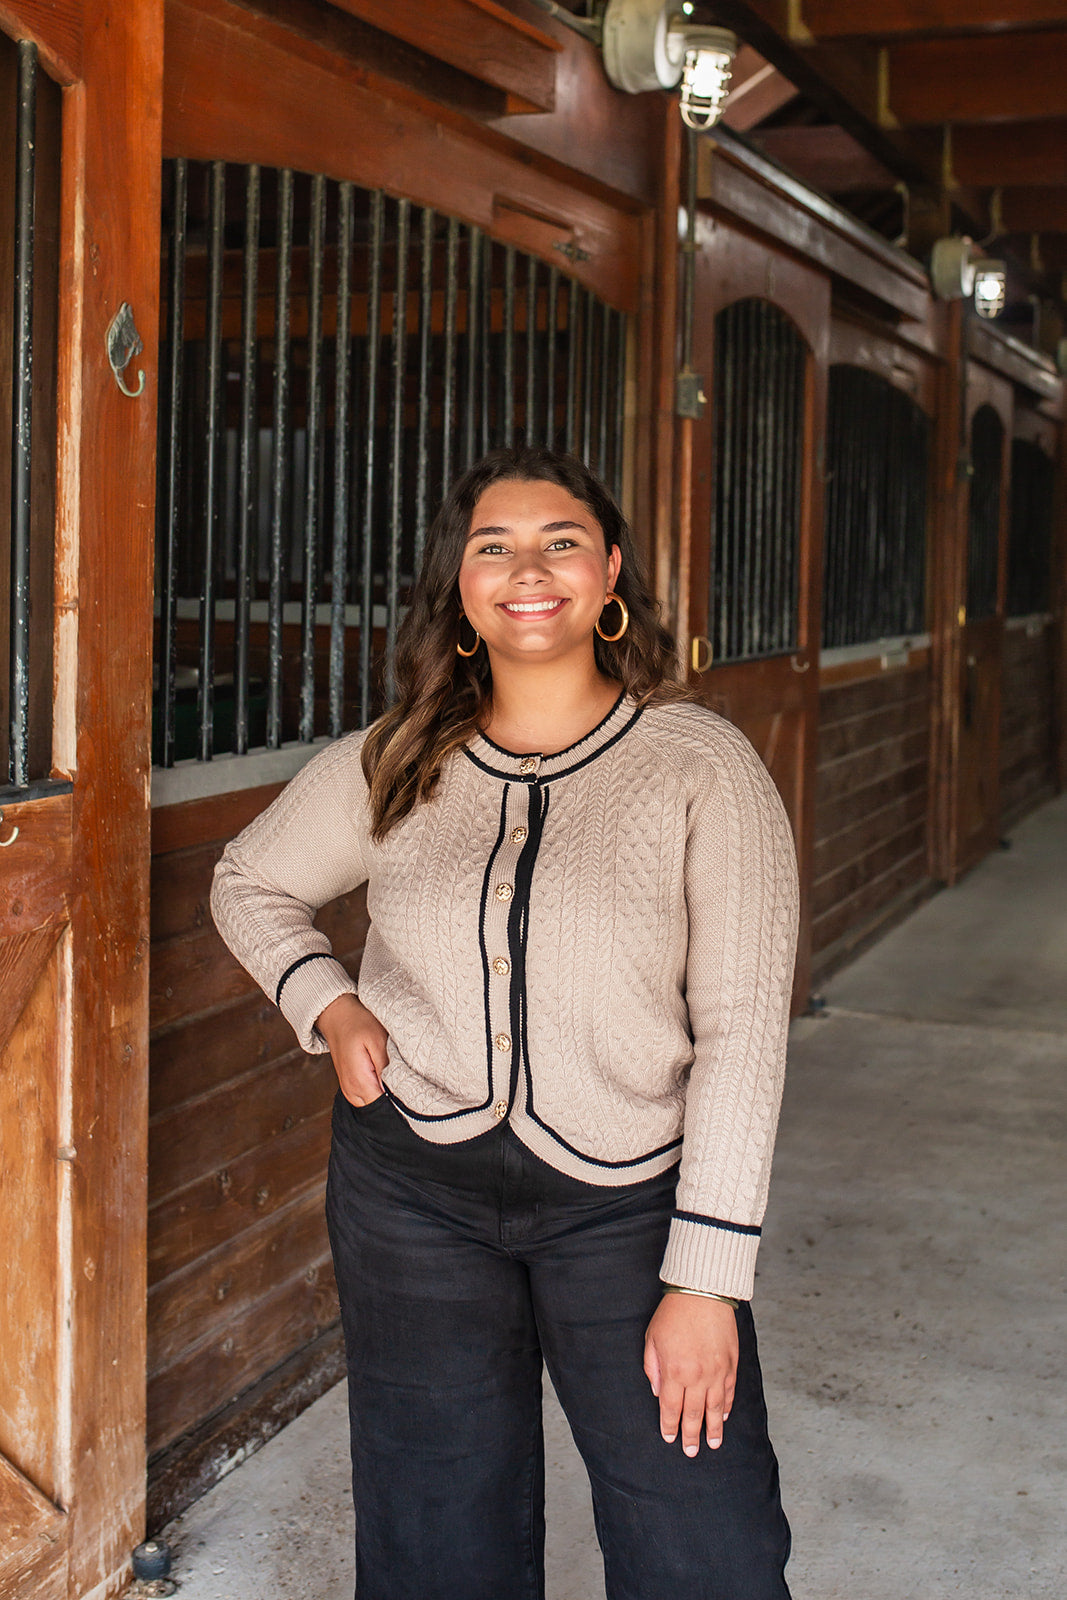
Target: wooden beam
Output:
[(826, 157), (1018, 153), (1004, 77), (478, 36), (1034, 210), (839, 19), (55, 26)]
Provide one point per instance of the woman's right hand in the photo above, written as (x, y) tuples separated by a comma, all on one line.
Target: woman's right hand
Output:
[(358, 1044)]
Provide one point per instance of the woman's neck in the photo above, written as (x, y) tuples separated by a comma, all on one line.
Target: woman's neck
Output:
[(536, 708)]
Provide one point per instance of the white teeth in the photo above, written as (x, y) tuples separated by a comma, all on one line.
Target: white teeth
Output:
[(531, 605)]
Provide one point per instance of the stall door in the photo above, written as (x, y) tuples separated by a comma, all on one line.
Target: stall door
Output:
[(78, 230), (754, 597), (982, 622), (1027, 719)]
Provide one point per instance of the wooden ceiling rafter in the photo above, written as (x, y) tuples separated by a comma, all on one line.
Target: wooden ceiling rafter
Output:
[(885, 19)]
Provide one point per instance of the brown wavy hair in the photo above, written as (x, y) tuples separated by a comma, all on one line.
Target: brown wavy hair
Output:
[(444, 698)]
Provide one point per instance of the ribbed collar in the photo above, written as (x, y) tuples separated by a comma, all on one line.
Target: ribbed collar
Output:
[(531, 766)]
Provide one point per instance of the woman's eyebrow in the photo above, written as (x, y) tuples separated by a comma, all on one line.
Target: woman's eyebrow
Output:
[(548, 527)]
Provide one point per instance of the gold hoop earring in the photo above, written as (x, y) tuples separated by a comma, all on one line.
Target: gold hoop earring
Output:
[(477, 641), (610, 638)]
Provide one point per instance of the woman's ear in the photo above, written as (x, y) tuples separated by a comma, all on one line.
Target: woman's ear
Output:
[(614, 565)]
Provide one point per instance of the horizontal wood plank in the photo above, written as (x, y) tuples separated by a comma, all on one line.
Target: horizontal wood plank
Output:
[(872, 727), (870, 829), (853, 772), (234, 1356), (478, 36), (830, 19), (199, 1054), (211, 1292), (837, 812), (216, 1208), (875, 861), (853, 913), (196, 1141), (987, 79), (196, 972), (200, 822)]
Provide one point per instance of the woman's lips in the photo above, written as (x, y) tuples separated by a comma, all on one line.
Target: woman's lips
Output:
[(533, 608)]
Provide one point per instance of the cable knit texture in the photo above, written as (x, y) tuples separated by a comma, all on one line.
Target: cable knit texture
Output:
[(597, 944)]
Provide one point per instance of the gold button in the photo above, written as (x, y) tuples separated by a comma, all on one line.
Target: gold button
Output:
[(501, 967), (528, 764), (502, 1041), (518, 835), (500, 1109), (504, 891)]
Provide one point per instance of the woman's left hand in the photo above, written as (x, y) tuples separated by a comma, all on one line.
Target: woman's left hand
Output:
[(691, 1363)]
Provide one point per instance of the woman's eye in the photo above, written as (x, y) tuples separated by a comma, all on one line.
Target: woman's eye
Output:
[(562, 544), (491, 550)]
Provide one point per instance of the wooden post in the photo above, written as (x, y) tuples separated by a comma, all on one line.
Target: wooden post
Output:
[(112, 156)]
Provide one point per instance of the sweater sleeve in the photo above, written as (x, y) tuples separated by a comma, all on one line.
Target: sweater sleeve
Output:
[(311, 845), (742, 899)]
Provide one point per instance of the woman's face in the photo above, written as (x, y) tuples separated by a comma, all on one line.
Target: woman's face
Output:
[(535, 571)]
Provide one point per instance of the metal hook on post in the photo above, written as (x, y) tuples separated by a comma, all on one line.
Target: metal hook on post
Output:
[(5, 842), (123, 343)]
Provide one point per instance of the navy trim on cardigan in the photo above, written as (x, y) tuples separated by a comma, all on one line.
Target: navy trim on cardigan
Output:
[(749, 1228)]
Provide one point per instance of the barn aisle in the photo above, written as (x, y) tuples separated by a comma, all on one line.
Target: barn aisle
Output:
[(910, 1294)]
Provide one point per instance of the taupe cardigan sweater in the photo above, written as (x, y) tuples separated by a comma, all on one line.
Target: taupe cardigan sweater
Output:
[(596, 944)]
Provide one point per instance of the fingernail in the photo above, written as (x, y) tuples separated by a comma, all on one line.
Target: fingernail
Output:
[(669, 1438), (690, 1449), (715, 1443)]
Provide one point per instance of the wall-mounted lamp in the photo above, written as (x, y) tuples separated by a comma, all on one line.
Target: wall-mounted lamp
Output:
[(652, 45), (990, 287)]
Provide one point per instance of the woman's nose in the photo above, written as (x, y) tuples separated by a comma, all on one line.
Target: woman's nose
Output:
[(529, 567)]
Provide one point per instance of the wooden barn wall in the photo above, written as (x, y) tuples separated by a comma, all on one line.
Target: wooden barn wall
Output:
[(1027, 745), (238, 1259), (871, 802)]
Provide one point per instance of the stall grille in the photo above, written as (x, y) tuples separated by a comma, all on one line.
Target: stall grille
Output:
[(983, 540), (759, 399), (874, 553), (29, 256), (332, 358), (1030, 533)]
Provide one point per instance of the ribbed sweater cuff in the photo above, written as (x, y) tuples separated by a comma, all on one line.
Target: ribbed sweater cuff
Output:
[(702, 1256), (306, 993)]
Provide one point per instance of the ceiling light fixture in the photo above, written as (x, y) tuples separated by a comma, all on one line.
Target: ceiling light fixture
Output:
[(652, 45), (990, 287)]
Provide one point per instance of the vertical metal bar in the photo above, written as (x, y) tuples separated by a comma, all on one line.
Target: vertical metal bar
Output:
[(374, 336), (620, 402), (448, 393), (529, 417), (22, 415), (574, 334), (487, 342), (507, 399), (422, 467), (168, 642), (396, 441), (588, 369), (247, 503), (604, 401), (215, 464), (552, 335), (312, 484), (474, 315), (280, 458), (341, 448)]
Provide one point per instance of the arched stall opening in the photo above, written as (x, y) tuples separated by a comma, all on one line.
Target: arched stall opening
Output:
[(1027, 717)]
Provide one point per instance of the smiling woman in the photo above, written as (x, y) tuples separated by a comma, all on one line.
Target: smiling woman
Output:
[(559, 1078)]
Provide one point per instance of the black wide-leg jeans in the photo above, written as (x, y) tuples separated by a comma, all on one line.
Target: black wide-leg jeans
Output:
[(454, 1288)]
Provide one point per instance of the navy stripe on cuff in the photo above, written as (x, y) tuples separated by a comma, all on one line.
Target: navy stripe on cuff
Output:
[(718, 1222), (316, 955)]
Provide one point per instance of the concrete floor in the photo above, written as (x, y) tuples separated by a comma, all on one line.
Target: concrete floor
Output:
[(909, 1298)]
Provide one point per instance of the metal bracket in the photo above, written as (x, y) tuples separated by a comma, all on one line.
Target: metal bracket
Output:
[(123, 343), (572, 251), (689, 396), (5, 842)]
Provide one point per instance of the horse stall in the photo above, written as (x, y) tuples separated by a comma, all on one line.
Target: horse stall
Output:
[(347, 321)]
